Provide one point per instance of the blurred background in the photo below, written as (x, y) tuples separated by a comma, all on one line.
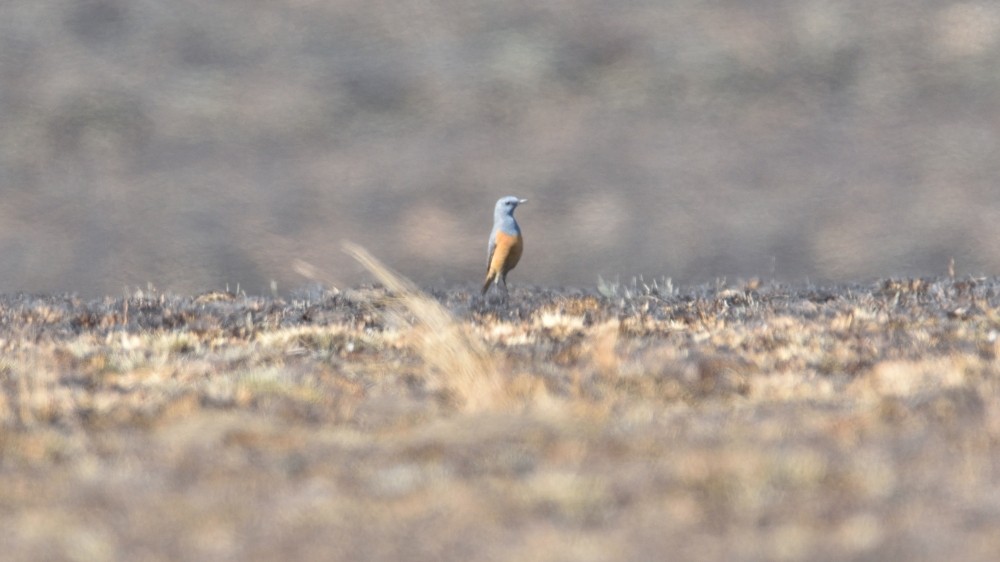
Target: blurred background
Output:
[(195, 145)]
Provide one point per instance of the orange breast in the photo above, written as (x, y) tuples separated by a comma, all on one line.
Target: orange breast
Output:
[(507, 253)]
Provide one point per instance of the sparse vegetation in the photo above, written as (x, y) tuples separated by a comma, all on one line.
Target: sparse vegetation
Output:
[(734, 420)]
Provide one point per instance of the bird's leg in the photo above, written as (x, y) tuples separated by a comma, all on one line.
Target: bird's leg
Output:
[(490, 297)]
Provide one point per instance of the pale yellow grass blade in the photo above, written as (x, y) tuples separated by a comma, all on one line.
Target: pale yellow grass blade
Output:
[(458, 360)]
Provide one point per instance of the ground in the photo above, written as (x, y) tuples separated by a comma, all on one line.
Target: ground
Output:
[(635, 421)]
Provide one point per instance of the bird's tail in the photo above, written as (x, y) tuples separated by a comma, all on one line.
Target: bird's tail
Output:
[(489, 279)]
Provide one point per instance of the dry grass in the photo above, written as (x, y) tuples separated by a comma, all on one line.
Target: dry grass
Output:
[(458, 361), (747, 421)]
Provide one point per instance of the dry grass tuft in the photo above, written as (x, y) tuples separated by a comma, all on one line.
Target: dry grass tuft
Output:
[(462, 366)]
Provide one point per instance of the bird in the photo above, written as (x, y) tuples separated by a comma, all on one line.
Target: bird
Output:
[(506, 243)]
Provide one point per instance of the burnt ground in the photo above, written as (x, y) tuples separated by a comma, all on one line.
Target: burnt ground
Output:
[(748, 421)]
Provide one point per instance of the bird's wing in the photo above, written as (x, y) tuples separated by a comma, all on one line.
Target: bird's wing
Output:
[(492, 248)]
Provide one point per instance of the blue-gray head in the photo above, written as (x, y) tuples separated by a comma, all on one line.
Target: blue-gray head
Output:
[(505, 208)]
